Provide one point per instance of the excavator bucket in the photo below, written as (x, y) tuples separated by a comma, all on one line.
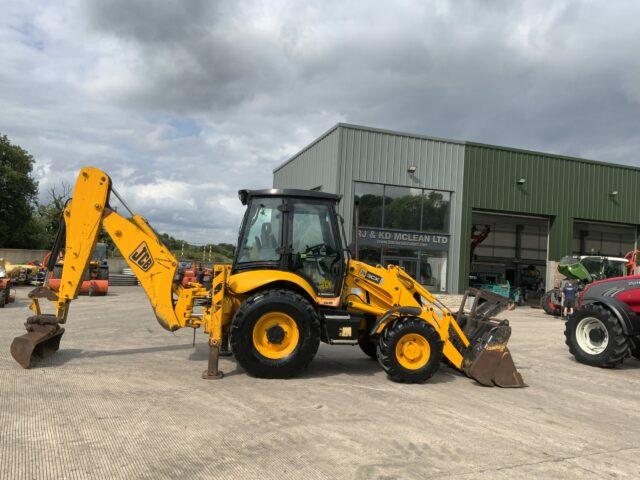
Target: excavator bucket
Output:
[(41, 340), (487, 359)]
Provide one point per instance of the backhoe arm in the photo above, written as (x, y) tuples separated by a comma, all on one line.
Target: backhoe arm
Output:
[(150, 260)]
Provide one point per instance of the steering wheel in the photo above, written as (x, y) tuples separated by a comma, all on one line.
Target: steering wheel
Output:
[(316, 250)]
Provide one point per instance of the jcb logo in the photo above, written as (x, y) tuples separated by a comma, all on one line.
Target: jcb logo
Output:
[(142, 257)]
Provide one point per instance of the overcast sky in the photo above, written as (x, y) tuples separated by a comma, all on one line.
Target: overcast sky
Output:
[(184, 102)]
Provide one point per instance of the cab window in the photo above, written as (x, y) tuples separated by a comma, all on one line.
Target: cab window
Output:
[(261, 240)]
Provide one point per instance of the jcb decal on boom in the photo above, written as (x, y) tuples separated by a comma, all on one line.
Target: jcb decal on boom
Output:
[(142, 257), (372, 277)]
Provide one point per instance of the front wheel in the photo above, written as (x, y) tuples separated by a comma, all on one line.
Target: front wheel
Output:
[(594, 337), (275, 334), (410, 351)]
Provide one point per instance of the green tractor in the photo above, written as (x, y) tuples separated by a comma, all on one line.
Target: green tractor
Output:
[(584, 269)]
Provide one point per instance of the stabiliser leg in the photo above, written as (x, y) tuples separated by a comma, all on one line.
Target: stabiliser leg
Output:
[(224, 348), (212, 372)]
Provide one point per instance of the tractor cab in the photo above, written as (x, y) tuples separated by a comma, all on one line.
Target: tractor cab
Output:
[(297, 231)]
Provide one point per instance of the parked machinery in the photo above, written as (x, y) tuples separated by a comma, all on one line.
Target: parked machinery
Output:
[(605, 327), (584, 269), (5, 286), (292, 284), (96, 276)]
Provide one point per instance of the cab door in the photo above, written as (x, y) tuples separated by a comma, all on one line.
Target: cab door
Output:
[(314, 244)]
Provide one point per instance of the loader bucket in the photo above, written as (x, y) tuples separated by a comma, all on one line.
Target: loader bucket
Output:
[(40, 341), (487, 359)]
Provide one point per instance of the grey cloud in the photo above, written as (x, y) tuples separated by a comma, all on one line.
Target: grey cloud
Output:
[(106, 83)]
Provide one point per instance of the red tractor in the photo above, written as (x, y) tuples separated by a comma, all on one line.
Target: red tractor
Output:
[(605, 327)]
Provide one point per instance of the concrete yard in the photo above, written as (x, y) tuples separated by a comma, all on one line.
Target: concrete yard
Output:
[(124, 399)]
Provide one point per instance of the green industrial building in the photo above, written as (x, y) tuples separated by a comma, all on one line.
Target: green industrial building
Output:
[(446, 209)]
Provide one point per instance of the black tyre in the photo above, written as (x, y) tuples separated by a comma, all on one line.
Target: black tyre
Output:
[(4, 295), (634, 344), (550, 303), (410, 351), (594, 337), (368, 346), (275, 334)]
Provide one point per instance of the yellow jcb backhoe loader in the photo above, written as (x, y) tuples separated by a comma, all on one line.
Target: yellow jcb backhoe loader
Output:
[(292, 284)]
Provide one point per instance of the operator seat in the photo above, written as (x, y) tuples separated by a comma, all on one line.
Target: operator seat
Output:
[(267, 243)]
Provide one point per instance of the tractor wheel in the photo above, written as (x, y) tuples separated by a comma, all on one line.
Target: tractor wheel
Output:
[(549, 303), (410, 351), (634, 344), (594, 337), (368, 347), (275, 334)]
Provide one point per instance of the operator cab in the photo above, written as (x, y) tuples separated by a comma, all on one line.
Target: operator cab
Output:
[(293, 230)]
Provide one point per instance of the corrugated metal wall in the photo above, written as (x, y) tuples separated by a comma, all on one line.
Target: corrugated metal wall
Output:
[(381, 156), (561, 188), (314, 166)]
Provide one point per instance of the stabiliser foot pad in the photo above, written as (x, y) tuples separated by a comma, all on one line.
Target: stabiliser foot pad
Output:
[(207, 375)]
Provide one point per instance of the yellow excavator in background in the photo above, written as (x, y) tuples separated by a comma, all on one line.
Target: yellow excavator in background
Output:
[(292, 284)]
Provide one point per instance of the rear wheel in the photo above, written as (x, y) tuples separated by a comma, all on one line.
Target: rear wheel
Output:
[(410, 351), (275, 334), (368, 347), (550, 302), (594, 337)]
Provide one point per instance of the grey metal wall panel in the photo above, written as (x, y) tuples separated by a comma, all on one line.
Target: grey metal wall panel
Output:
[(314, 166), (380, 156)]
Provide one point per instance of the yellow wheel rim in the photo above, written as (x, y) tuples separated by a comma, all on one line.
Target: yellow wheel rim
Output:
[(413, 351), (275, 335)]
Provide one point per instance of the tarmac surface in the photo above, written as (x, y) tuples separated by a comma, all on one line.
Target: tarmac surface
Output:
[(124, 399)]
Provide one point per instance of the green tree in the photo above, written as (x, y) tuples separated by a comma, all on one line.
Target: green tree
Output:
[(18, 191)]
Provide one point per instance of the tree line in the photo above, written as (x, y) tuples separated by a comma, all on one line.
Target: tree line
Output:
[(27, 222)]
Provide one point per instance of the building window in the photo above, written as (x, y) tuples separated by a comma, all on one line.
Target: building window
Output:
[(369, 198), (435, 211), (407, 227), (402, 208)]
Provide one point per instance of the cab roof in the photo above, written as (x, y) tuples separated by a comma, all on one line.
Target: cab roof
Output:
[(245, 195)]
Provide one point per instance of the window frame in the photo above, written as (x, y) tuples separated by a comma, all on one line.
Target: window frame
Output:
[(424, 190)]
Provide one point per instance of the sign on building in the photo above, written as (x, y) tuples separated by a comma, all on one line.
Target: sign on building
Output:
[(383, 237)]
